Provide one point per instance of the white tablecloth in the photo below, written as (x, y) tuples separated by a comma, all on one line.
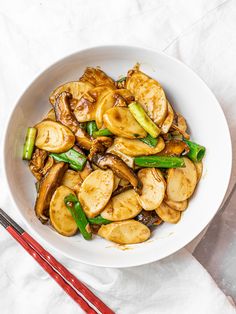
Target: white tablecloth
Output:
[(34, 34)]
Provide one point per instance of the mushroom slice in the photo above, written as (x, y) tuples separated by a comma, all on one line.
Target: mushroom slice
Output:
[(125, 232), (119, 167), (148, 218), (99, 146), (174, 148), (96, 191), (37, 162), (153, 190), (127, 159), (149, 94), (77, 89), (122, 206), (53, 137), (122, 189), (96, 77), (179, 124), (47, 187), (60, 217), (63, 112), (166, 125), (168, 214), (180, 206), (199, 169), (158, 222), (181, 182), (50, 115), (135, 148), (72, 180), (120, 121), (67, 118), (48, 165), (179, 132)]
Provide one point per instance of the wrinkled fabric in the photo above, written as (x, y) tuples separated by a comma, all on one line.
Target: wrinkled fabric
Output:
[(35, 34)]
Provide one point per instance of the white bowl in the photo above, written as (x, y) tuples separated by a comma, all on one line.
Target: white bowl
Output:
[(186, 92)]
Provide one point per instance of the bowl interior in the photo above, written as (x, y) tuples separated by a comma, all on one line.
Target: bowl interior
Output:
[(189, 96)]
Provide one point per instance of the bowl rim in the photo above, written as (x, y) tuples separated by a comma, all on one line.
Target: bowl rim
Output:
[(182, 243)]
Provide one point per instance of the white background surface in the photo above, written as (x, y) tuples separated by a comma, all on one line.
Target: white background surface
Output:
[(36, 33)]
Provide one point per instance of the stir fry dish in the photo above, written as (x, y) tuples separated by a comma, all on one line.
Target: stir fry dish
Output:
[(112, 158)]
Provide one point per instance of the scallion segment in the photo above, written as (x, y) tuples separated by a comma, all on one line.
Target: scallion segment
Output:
[(91, 127), (73, 205), (159, 162), (99, 220), (76, 160), (102, 132), (29, 143), (196, 151), (143, 119), (149, 140)]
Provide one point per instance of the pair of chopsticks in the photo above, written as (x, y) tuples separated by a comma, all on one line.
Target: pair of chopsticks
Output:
[(69, 283)]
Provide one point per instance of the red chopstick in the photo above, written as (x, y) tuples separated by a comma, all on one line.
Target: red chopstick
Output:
[(56, 270)]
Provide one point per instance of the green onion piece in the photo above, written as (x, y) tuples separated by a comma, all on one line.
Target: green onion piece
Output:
[(73, 205), (149, 140), (59, 157), (91, 127), (99, 220), (102, 132), (76, 160), (196, 151), (159, 161), (75, 167), (122, 79), (29, 143), (143, 119)]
